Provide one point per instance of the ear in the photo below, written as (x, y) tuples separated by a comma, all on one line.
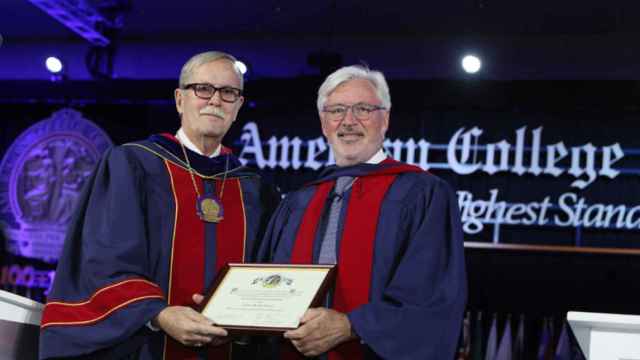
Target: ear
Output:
[(385, 122), (177, 94), (240, 103)]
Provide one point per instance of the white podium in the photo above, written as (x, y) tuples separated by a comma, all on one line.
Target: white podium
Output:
[(606, 336), (19, 326)]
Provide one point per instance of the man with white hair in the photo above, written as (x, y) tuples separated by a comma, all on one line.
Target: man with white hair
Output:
[(392, 229), (157, 221)]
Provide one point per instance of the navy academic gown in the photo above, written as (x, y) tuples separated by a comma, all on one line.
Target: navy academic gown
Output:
[(417, 290), (136, 245)]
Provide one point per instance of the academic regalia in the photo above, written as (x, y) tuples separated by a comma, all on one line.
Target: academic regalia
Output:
[(401, 275), (136, 245)]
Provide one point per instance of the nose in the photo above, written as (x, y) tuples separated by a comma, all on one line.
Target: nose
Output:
[(215, 99), (349, 118)]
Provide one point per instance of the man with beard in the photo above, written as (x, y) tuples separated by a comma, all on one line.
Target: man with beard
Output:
[(157, 221), (392, 229)]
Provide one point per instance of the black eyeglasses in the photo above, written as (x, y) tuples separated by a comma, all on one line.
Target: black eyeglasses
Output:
[(361, 111), (206, 91)]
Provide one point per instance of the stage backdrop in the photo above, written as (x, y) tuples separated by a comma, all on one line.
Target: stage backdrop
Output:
[(549, 163)]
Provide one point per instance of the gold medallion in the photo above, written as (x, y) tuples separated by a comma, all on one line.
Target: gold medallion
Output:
[(209, 208)]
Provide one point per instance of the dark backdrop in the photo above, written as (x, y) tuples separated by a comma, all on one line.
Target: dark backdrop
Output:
[(535, 282)]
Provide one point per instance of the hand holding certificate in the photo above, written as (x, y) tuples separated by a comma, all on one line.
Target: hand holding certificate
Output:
[(266, 298)]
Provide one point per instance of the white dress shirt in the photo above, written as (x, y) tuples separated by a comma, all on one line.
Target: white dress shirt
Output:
[(180, 135)]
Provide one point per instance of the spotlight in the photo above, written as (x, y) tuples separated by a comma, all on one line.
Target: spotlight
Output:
[(241, 67), (471, 64), (54, 65)]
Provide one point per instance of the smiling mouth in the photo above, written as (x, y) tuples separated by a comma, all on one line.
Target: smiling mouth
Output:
[(350, 137)]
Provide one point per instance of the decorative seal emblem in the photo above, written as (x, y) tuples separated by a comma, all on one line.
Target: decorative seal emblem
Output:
[(41, 176), (209, 208), (272, 281)]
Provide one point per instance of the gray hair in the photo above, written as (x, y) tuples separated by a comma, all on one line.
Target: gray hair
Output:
[(347, 73), (204, 58)]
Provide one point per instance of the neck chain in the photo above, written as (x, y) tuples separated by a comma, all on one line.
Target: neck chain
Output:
[(208, 206)]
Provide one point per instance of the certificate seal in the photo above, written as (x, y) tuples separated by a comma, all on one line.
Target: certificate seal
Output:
[(272, 281)]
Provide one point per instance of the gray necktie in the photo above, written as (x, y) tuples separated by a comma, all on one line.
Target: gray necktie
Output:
[(328, 246)]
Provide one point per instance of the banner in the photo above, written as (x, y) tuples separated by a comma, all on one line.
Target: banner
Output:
[(509, 180)]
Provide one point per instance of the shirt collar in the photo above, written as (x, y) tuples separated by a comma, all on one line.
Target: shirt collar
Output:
[(377, 158), (180, 135)]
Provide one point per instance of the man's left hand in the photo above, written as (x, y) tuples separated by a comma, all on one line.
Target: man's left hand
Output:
[(320, 330), (216, 341)]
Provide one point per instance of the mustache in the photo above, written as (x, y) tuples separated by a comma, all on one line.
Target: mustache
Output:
[(212, 110)]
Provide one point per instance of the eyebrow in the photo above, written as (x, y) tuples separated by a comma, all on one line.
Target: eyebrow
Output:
[(219, 86), (358, 103)]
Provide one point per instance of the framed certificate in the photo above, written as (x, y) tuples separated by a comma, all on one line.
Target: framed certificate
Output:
[(265, 298)]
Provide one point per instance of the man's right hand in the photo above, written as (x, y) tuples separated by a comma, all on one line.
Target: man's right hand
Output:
[(188, 326)]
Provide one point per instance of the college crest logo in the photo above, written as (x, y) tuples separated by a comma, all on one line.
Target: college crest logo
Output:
[(41, 177), (272, 281)]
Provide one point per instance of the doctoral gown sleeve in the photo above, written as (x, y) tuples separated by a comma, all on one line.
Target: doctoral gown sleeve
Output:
[(419, 314), (103, 292)]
